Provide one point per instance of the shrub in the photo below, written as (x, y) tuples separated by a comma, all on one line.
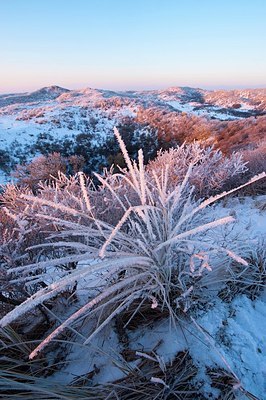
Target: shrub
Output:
[(46, 168), (256, 162), (211, 169), (40, 169), (5, 160)]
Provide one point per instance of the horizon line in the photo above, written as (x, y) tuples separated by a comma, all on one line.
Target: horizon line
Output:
[(150, 88)]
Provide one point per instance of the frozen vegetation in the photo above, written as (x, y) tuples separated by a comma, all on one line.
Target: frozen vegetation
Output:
[(146, 281)]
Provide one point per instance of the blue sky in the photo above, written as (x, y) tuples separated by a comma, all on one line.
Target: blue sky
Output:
[(131, 44)]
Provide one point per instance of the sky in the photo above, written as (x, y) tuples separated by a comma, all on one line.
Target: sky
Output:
[(132, 44)]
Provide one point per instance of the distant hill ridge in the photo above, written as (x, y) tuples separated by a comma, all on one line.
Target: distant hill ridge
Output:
[(235, 98), (43, 94)]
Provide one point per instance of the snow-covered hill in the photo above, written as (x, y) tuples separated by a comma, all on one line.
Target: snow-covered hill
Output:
[(46, 93), (28, 121)]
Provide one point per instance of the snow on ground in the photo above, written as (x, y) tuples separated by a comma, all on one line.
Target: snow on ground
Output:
[(184, 107), (22, 125), (101, 356), (237, 332), (210, 111), (249, 213), (234, 337), (21, 131)]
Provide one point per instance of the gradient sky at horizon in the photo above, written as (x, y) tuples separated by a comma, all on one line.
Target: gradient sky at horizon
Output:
[(132, 44)]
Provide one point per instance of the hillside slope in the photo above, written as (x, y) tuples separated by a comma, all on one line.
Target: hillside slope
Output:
[(58, 119)]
